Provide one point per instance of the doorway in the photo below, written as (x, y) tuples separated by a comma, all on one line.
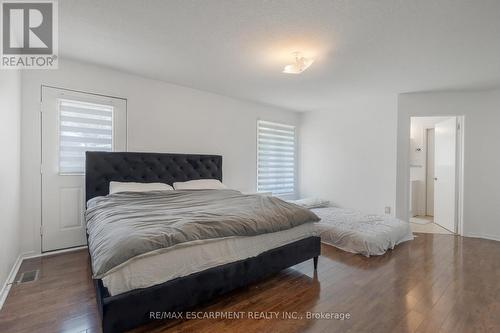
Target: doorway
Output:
[(435, 153)]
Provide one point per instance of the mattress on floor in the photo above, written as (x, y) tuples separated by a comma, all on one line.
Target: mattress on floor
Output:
[(188, 258), (356, 232)]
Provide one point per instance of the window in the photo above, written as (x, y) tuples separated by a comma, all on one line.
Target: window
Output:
[(82, 126), (275, 158)]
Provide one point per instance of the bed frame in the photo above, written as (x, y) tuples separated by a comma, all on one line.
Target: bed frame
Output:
[(131, 309)]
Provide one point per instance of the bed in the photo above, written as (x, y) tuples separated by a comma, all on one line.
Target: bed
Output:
[(190, 272), (355, 232)]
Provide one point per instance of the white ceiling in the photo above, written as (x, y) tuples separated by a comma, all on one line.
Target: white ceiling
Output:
[(239, 47)]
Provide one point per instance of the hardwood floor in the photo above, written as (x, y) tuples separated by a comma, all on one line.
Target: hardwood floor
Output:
[(436, 283)]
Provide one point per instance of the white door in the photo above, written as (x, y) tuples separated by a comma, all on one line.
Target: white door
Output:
[(430, 173), (445, 148), (72, 123)]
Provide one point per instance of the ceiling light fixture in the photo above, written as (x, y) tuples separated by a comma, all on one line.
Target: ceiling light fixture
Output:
[(301, 64)]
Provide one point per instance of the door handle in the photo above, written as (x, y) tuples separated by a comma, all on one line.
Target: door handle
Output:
[(435, 178)]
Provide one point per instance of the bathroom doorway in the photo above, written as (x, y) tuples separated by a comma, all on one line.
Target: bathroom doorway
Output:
[(435, 152)]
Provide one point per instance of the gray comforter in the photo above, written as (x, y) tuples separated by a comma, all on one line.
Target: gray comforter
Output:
[(124, 225)]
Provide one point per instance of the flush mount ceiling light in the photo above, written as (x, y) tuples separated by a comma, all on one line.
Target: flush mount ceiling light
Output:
[(301, 64)]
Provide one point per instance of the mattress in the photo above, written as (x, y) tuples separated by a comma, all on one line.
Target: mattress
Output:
[(187, 258), (356, 232), (124, 225)]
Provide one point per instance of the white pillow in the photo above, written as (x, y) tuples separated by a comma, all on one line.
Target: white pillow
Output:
[(115, 187), (200, 184), (311, 203)]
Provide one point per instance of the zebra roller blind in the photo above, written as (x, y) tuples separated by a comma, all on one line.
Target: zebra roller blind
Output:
[(276, 167), (82, 126)]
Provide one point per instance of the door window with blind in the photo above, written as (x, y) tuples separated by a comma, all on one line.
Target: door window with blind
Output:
[(82, 126), (276, 158)]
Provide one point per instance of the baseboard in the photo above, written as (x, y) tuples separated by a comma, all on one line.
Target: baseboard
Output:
[(15, 268), (474, 235), (10, 279)]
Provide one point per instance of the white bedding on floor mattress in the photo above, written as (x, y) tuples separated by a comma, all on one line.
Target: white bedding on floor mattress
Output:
[(356, 232), (188, 258)]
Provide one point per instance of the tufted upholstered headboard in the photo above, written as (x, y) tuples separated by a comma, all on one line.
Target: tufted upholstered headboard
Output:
[(103, 167)]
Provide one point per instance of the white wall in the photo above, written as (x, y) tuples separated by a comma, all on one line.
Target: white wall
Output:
[(348, 154), (162, 117), (481, 208), (10, 120)]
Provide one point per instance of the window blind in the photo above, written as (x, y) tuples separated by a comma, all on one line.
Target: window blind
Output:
[(275, 158), (82, 126)]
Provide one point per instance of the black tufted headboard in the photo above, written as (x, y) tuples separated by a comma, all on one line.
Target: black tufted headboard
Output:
[(103, 167)]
